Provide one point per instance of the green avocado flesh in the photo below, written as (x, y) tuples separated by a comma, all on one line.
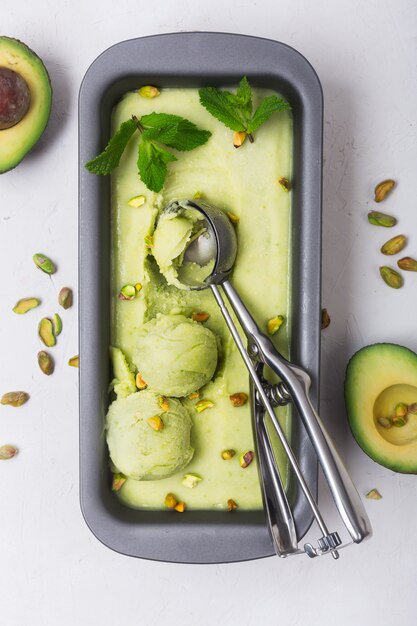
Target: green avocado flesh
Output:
[(378, 378), (245, 183), (16, 141)]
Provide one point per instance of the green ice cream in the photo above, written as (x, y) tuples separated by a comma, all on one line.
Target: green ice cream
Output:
[(174, 232), (139, 451), (175, 355)]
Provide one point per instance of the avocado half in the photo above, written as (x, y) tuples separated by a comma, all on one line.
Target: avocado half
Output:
[(16, 141), (378, 378)]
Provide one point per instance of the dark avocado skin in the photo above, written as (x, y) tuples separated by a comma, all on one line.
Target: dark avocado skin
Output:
[(388, 355), (16, 141)]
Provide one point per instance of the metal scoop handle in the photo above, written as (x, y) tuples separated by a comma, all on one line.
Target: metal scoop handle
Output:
[(297, 383)]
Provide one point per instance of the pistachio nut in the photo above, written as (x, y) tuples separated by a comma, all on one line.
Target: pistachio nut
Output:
[(46, 332), (239, 138), (156, 423), (202, 405), (381, 219), (170, 501), (194, 395), (148, 241), (373, 495), (200, 316), (394, 245), (385, 422), (197, 195), (180, 507), (325, 319), (25, 304), (383, 189), (164, 403), (274, 324), (228, 454), (238, 399), (285, 183), (74, 361), (408, 264), (149, 91), (45, 362), (391, 277), (231, 505), (65, 297), (7, 451), (57, 324), (412, 408), (118, 481), (140, 383), (246, 458), (137, 201), (235, 219), (44, 263), (127, 292), (14, 398)]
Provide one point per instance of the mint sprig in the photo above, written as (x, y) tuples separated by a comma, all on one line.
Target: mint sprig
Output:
[(157, 131), (235, 110)]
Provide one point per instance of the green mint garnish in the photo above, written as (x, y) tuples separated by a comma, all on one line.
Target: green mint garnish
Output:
[(235, 110), (157, 131)]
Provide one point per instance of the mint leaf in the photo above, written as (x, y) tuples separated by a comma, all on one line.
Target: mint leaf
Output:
[(152, 164), (105, 162), (244, 95), (173, 131), (222, 107), (268, 106)]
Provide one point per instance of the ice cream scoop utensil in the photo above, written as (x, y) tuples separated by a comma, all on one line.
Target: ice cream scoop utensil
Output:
[(219, 242)]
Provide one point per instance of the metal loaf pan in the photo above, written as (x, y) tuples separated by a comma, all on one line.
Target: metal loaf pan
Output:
[(191, 59)]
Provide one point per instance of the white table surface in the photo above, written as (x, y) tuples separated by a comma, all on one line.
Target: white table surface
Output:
[(52, 570)]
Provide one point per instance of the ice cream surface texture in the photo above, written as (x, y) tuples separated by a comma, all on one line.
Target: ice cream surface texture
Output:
[(136, 448), (243, 182), (175, 355)]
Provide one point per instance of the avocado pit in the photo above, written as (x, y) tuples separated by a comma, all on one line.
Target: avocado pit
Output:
[(14, 98)]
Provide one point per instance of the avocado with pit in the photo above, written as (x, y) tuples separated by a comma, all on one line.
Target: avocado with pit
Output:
[(25, 101), (381, 403)]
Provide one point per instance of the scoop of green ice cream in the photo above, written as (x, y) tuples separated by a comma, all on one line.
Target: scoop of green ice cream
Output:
[(175, 355), (139, 451), (173, 233)]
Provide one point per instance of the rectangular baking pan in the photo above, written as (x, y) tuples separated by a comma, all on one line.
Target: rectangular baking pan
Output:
[(191, 60)]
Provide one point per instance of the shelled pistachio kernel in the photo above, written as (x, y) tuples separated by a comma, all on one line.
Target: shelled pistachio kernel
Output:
[(65, 298), (197, 195), (118, 481), (127, 292), (235, 219), (200, 316), (57, 324), (46, 332), (383, 188), (285, 183), (138, 287), (239, 138), (136, 201), (399, 418), (231, 505), (385, 422), (381, 219), (325, 319), (7, 452), (191, 480), (14, 398), (170, 501), (412, 408), (45, 362), (202, 405), (44, 263), (163, 403), (149, 91), (140, 383), (74, 361), (394, 245), (238, 399), (391, 277), (246, 458), (148, 239), (180, 507), (373, 494), (228, 454), (25, 304), (156, 423), (194, 395), (408, 264), (274, 324)]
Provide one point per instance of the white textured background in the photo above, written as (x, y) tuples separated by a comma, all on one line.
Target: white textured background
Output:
[(52, 570)]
